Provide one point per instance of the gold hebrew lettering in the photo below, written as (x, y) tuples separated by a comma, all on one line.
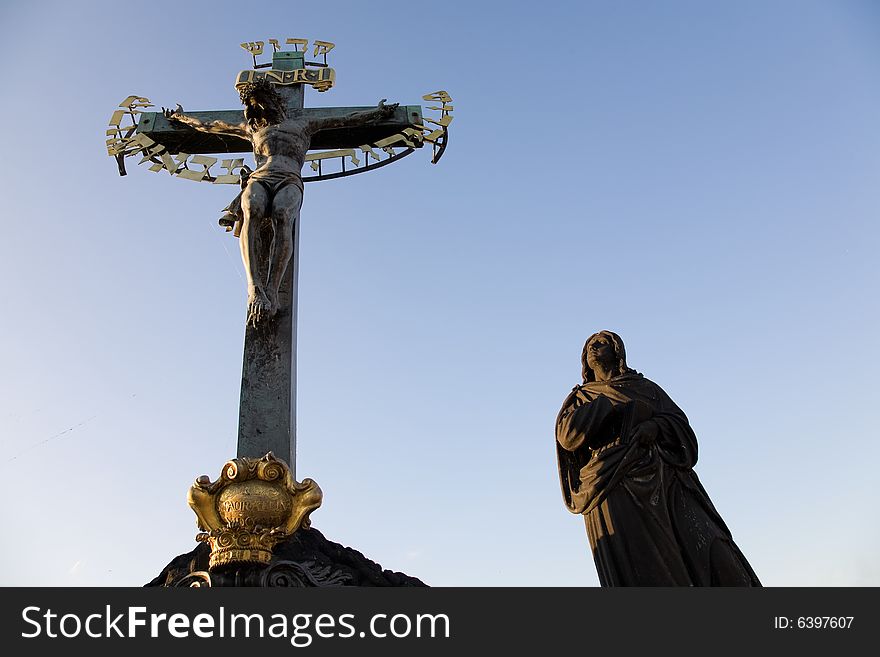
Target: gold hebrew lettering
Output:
[(231, 177), (322, 47), (116, 146), (254, 47), (368, 152), (119, 134), (383, 143), (298, 42), (434, 136), (326, 155), (275, 45), (168, 163), (413, 132), (141, 143), (159, 164), (398, 138), (444, 120), (441, 96), (201, 160), (117, 117), (141, 140), (119, 144), (116, 139), (135, 101)]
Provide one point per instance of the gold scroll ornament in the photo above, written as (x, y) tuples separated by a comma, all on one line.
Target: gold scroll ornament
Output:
[(254, 505)]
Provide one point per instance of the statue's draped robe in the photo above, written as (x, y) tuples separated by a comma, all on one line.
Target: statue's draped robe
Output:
[(649, 520)]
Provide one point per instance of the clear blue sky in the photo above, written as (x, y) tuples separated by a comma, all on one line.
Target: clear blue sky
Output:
[(699, 177)]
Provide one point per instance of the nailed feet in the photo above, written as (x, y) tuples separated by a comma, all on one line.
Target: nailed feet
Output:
[(259, 308)]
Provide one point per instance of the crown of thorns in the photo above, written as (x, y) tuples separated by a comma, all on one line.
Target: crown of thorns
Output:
[(260, 85)]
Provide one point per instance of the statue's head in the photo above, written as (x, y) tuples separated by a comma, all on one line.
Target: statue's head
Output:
[(604, 350), (263, 106)]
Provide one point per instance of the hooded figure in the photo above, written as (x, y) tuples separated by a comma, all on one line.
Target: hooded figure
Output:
[(626, 454)]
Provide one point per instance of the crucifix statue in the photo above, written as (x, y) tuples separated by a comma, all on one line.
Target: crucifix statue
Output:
[(283, 136), (257, 504), (273, 192)]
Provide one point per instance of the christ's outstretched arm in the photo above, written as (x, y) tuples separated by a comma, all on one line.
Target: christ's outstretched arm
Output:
[(216, 127), (382, 111)]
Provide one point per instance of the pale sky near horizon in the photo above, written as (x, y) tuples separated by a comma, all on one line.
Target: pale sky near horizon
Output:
[(699, 177)]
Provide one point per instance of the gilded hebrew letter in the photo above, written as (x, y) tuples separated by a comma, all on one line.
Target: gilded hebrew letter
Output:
[(168, 163), (135, 101), (254, 47), (297, 43), (231, 177), (327, 155), (198, 176), (441, 96), (322, 48), (444, 120), (116, 119), (369, 152)]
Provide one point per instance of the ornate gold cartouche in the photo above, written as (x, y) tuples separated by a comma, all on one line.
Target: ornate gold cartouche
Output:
[(254, 505)]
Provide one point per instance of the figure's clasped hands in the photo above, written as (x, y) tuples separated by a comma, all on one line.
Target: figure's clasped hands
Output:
[(646, 433)]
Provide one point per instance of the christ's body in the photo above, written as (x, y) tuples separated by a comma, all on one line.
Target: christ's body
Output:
[(274, 191)]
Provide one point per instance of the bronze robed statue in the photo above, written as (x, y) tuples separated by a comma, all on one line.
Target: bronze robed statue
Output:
[(626, 454)]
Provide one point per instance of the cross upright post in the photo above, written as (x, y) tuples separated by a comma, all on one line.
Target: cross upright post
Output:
[(267, 409)]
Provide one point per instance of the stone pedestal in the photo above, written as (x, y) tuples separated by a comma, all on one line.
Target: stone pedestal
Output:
[(305, 559)]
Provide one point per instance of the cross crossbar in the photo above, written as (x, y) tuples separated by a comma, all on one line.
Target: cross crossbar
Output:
[(178, 138)]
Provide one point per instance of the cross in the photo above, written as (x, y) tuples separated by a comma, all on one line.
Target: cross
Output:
[(267, 412)]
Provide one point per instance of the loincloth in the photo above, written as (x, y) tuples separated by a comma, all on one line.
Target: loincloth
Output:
[(274, 181)]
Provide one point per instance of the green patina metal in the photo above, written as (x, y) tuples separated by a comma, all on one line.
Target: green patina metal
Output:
[(179, 138)]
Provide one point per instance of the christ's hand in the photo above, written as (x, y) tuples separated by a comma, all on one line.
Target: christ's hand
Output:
[(388, 110), (173, 115)]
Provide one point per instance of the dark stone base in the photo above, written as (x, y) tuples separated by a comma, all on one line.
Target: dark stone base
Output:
[(305, 559)]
